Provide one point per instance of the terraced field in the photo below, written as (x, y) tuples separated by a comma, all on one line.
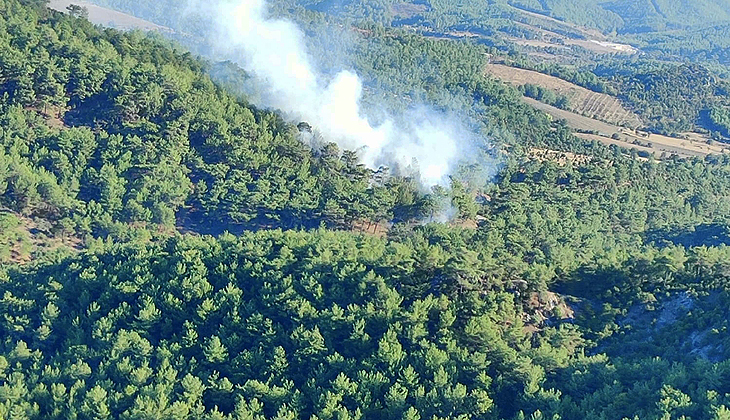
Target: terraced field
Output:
[(689, 145), (599, 106)]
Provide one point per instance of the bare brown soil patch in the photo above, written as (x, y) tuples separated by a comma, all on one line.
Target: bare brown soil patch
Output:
[(53, 115), (107, 17), (545, 309), (591, 104), (32, 238), (379, 229), (560, 157), (408, 10), (688, 145)]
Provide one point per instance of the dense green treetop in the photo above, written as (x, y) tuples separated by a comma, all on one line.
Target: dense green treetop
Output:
[(100, 127), (583, 282)]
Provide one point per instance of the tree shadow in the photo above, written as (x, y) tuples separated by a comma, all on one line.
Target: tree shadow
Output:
[(712, 234)]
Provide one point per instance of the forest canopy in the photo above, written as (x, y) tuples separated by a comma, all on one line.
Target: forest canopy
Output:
[(170, 251)]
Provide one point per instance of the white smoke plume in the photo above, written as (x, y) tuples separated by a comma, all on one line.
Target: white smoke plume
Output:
[(274, 52)]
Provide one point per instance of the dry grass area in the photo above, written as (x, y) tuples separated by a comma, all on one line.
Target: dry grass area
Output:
[(550, 39), (561, 158), (27, 238), (52, 114), (110, 18), (465, 224), (408, 10), (575, 120), (594, 40), (688, 145), (379, 229), (548, 42), (545, 309), (551, 21), (591, 104), (626, 144)]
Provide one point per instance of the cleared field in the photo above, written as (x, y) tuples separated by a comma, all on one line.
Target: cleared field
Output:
[(609, 141), (26, 238), (110, 18), (589, 39), (582, 101), (587, 32), (692, 144), (548, 38)]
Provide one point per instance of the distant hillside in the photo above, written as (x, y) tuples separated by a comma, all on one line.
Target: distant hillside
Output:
[(107, 17), (634, 16), (574, 11)]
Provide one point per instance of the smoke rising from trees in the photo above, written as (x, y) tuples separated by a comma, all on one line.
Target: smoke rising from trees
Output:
[(273, 51)]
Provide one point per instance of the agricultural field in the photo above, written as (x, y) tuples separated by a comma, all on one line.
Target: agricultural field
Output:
[(552, 33), (598, 106), (688, 145)]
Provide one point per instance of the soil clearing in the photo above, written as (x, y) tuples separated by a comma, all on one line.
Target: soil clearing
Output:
[(582, 101), (109, 18), (689, 145)]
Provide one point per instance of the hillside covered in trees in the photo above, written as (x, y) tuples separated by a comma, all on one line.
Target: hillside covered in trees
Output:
[(672, 81), (170, 251)]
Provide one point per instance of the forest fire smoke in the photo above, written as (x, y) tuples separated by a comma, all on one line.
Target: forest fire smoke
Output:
[(274, 52)]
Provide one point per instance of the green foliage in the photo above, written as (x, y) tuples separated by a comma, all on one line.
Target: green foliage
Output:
[(585, 13), (671, 98), (310, 324), (14, 240), (640, 16), (594, 286), (720, 119), (106, 129), (628, 16), (545, 95)]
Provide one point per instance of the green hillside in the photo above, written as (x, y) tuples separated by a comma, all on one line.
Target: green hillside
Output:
[(670, 14), (589, 13), (102, 129), (169, 251), (629, 16)]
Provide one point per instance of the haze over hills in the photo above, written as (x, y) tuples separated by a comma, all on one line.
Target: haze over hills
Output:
[(204, 237), (546, 42), (625, 16)]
